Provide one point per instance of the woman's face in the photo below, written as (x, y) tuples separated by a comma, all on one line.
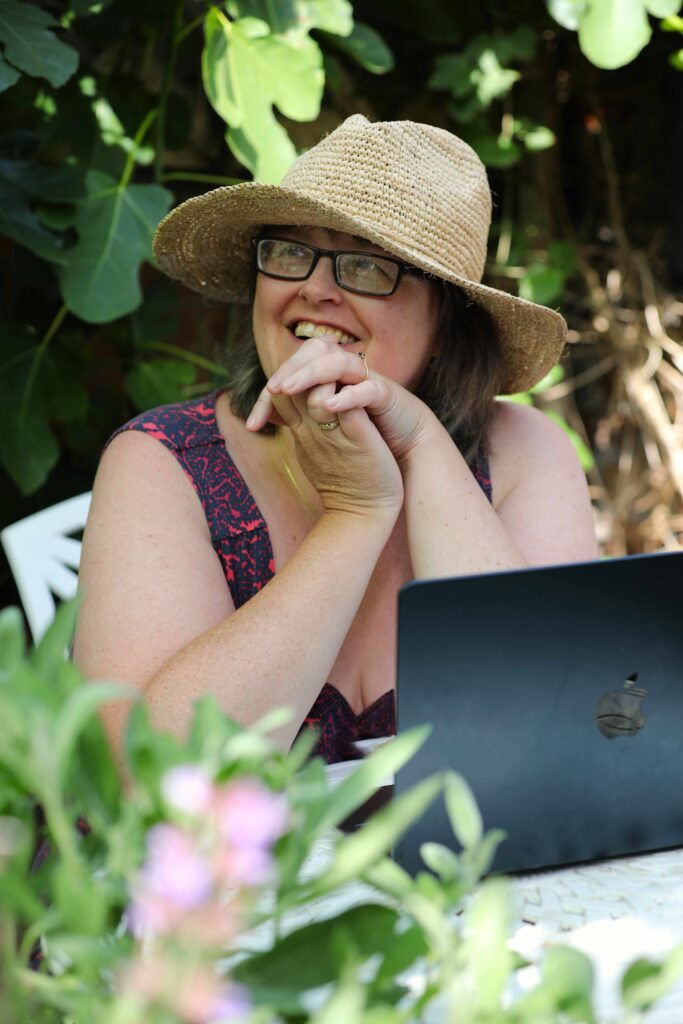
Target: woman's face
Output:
[(397, 332)]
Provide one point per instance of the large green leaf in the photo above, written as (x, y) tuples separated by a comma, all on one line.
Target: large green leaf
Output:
[(28, 449), (8, 74), (246, 72), (32, 47), (366, 47), (662, 8), (159, 381), (19, 222), (613, 32), (306, 958), (115, 225), (567, 13), (295, 15)]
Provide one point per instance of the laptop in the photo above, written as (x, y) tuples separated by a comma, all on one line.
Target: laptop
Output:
[(558, 694)]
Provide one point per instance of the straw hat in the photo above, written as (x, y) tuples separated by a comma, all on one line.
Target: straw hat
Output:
[(416, 190)]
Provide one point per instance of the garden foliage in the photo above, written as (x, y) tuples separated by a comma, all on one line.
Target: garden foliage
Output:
[(112, 111), (188, 898)]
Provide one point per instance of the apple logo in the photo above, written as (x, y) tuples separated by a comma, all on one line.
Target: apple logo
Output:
[(619, 712)]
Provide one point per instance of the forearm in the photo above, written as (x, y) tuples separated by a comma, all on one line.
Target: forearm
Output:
[(278, 648), (453, 529)]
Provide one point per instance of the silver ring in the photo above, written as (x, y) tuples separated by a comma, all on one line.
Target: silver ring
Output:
[(330, 425)]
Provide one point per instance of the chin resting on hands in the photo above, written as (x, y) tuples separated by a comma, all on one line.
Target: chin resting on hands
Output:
[(320, 366)]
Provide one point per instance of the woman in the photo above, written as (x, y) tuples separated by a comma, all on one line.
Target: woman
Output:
[(373, 451)]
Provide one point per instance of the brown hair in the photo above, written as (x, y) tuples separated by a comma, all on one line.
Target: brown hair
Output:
[(459, 385)]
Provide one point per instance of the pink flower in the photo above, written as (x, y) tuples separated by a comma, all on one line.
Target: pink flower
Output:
[(204, 998), (174, 878), (244, 866), (249, 815), (174, 868), (187, 788)]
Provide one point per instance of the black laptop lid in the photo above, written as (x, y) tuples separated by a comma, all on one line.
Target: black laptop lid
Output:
[(558, 694)]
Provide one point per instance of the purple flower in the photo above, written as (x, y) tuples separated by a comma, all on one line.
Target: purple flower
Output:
[(250, 816)]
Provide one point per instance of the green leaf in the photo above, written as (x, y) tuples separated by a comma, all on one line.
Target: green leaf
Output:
[(442, 861), (478, 859), (297, 16), (366, 47), (77, 712), (542, 283), (400, 954), (495, 150), (539, 138), (115, 225), (462, 810), (359, 851), (488, 958), (568, 975), (159, 382), (18, 221), (12, 638), (8, 75), (554, 375), (31, 47), (57, 638), (246, 72), (662, 8), (305, 959), (644, 982), (613, 32), (676, 60), (383, 763), (567, 13), (28, 449), (672, 24)]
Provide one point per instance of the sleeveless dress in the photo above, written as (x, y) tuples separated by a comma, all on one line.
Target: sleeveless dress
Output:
[(240, 538)]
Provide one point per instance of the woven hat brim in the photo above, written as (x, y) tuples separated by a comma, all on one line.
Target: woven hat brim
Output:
[(205, 243)]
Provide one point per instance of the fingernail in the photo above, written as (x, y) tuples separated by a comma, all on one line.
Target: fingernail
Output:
[(251, 420)]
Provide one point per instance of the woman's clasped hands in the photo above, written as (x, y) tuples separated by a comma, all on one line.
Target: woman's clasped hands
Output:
[(325, 383)]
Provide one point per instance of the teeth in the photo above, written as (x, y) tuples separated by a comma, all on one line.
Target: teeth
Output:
[(305, 329)]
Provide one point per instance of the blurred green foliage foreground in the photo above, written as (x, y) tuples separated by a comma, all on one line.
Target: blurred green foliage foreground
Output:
[(186, 899)]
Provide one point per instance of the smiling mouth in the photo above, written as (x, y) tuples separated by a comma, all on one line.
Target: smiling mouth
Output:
[(306, 329)]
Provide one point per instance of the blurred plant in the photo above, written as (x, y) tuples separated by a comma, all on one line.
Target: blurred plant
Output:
[(611, 34), (188, 899)]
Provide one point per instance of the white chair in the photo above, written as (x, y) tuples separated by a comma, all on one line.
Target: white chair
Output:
[(44, 559)]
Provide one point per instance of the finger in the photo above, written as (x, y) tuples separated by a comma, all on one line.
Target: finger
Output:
[(310, 349), (372, 394), (287, 410), (341, 366), (263, 412), (316, 399)]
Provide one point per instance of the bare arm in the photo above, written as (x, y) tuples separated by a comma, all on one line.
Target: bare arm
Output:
[(156, 610), (541, 512)]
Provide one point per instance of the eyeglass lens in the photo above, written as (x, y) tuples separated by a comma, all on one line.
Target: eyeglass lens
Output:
[(359, 271)]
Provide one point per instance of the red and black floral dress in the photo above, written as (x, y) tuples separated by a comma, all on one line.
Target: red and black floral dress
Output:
[(240, 538)]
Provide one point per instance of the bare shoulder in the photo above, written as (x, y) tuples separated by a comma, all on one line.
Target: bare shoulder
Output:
[(540, 491), (150, 580), (524, 442)]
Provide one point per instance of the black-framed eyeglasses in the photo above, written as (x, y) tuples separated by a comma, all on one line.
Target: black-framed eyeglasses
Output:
[(360, 272)]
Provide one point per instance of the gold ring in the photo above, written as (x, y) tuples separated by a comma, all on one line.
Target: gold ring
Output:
[(330, 425), (361, 355)]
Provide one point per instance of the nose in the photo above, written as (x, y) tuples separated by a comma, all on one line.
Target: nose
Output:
[(321, 285)]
